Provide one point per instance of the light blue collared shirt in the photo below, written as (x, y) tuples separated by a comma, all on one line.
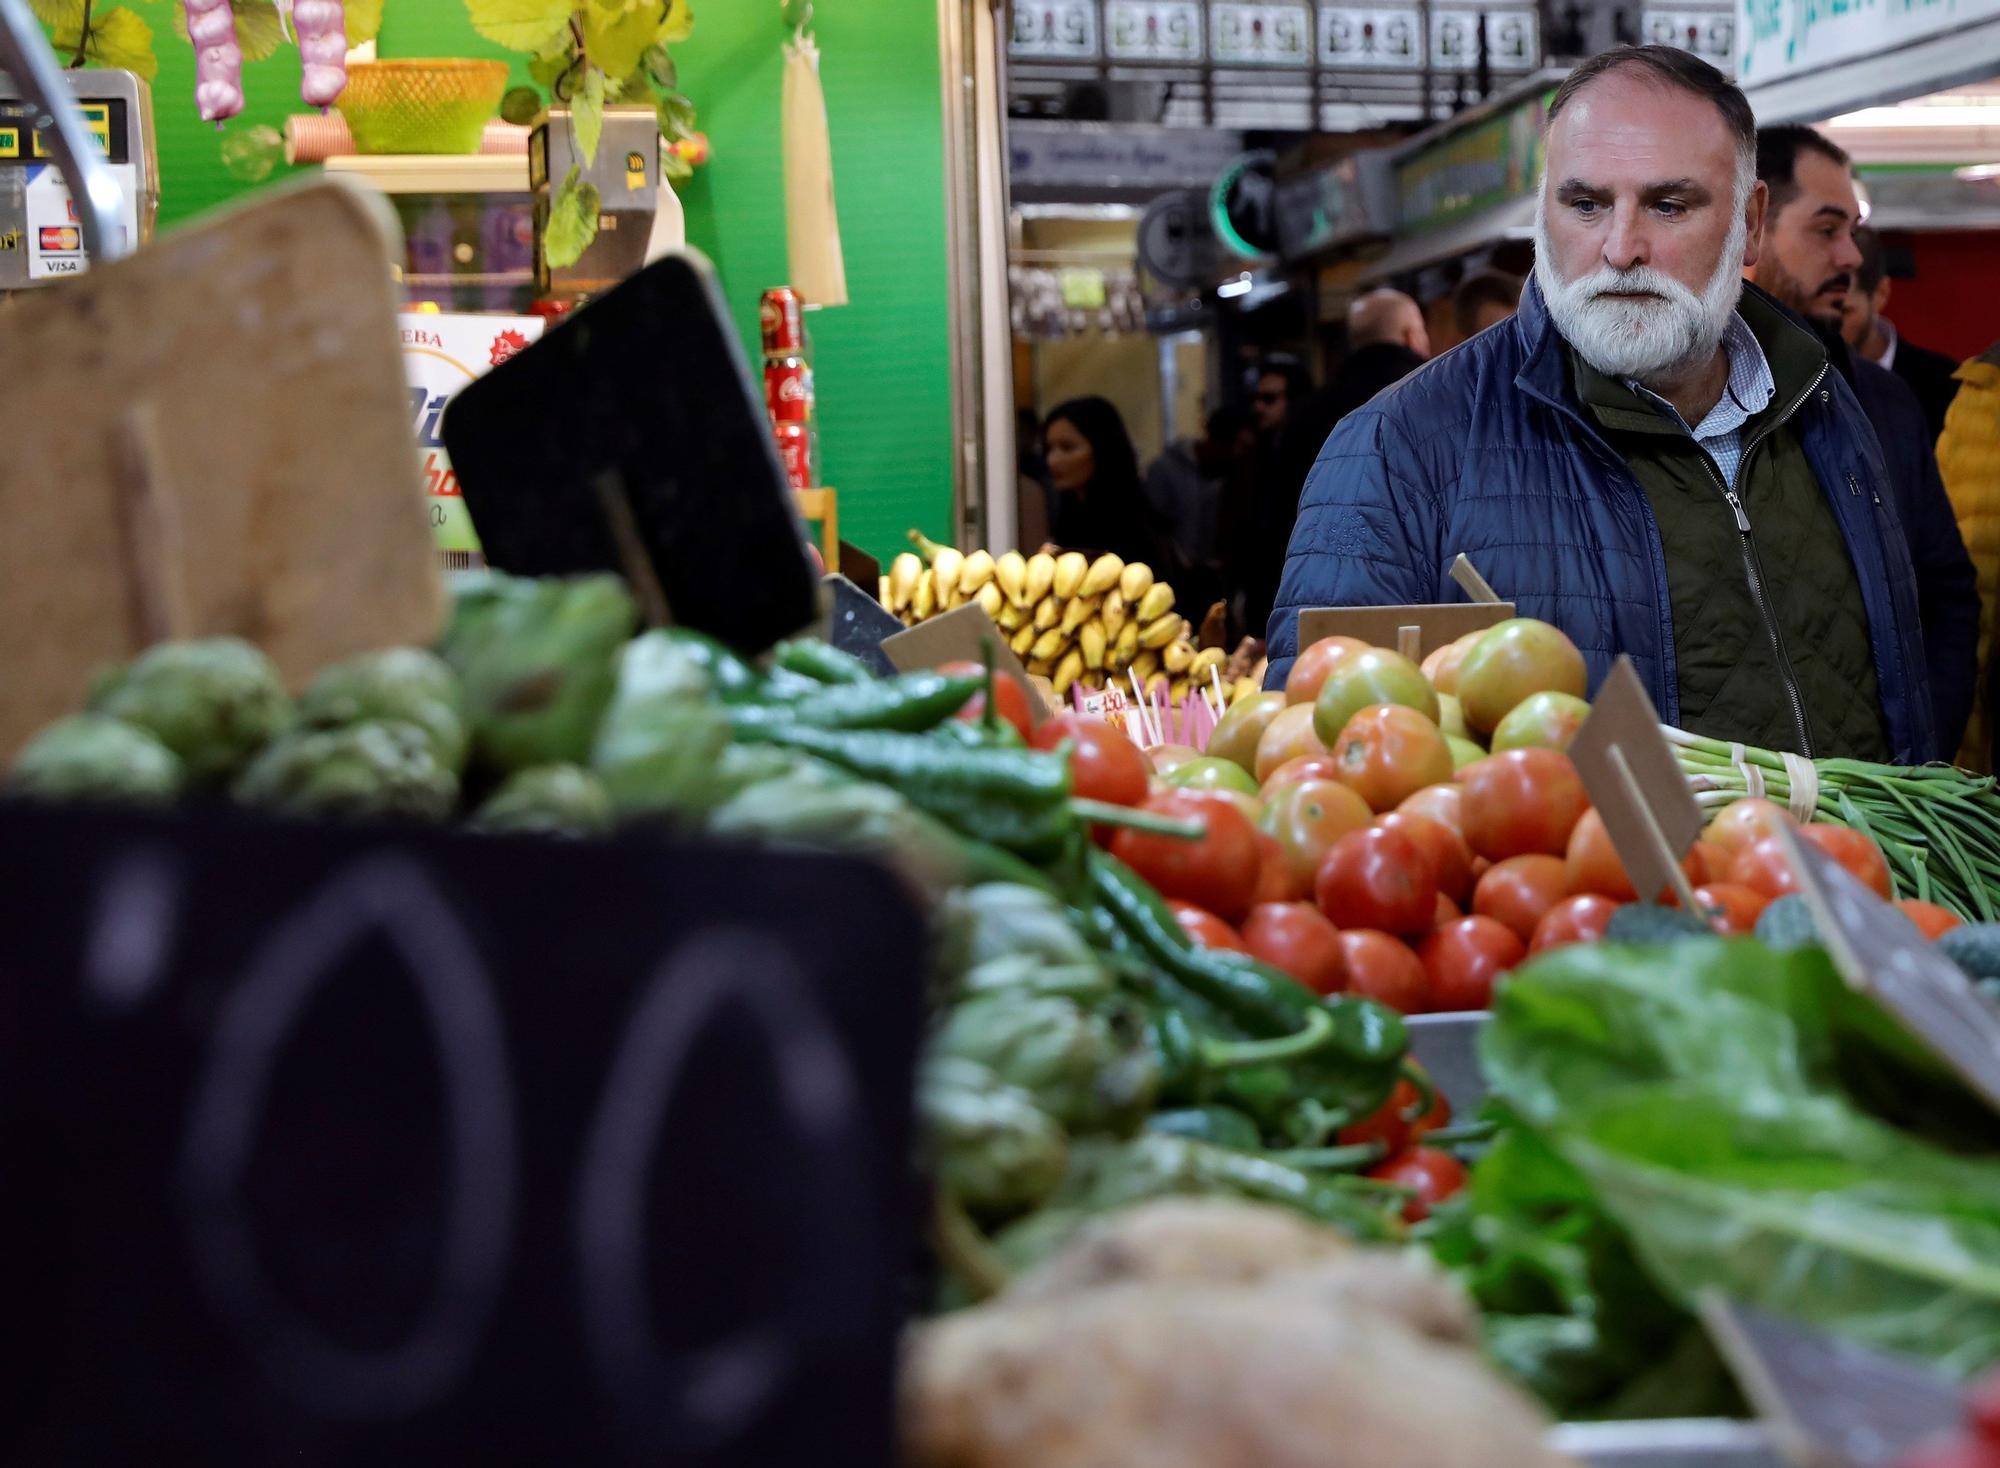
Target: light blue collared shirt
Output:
[(1749, 391)]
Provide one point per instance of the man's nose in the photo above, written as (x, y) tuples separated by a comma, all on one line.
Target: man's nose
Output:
[(1847, 254), (1625, 244)]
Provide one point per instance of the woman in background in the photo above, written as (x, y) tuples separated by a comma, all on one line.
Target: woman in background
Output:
[(1095, 499)]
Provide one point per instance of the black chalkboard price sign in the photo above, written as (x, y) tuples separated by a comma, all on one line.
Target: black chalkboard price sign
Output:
[(330, 1147)]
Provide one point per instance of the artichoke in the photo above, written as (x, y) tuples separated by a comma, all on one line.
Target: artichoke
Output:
[(537, 661), (92, 757), (376, 769), (658, 747), (214, 702), (549, 800), (990, 1146), (406, 684), (1091, 1071)]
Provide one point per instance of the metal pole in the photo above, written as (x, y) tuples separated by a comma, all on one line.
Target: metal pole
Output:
[(27, 58)]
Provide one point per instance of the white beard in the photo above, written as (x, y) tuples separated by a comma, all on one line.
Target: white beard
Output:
[(1644, 340)]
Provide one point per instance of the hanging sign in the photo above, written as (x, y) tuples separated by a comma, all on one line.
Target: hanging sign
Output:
[(1054, 30), (1808, 59), (1153, 30)]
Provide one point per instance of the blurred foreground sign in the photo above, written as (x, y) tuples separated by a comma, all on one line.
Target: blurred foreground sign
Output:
[(334, 1147)]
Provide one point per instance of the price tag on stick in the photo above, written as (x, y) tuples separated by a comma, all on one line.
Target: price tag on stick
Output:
[(962, 634), (1880, 954), (1637, 786), (1828, 1403), (1471, 582), (859, 624)]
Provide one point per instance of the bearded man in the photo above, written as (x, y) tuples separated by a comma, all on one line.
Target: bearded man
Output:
[(1651, 454)]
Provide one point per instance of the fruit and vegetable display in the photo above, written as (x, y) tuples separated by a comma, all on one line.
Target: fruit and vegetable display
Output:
[(1071, 618)]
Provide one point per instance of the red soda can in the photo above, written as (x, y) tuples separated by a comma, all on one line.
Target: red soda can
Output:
[(795, 453), (784, 324), (788, 390)]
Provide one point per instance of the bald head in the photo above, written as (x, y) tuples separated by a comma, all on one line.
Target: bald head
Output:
[(1387, 316)]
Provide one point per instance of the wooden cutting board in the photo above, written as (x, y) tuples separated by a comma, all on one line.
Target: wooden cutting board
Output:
[(212, 436)]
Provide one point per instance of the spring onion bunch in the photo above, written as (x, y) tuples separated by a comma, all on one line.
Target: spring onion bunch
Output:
[(1938, 826)]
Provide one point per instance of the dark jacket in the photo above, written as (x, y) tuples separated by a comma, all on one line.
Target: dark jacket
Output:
[(1947, 582), (1930, 376), (1486, 451)]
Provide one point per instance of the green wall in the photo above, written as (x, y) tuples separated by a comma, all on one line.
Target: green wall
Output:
[(883, 362)]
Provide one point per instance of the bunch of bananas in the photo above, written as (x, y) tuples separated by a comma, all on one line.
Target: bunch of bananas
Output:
[(1068, 618)]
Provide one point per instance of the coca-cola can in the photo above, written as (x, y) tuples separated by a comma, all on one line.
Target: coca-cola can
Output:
[(795, 453), (788, 390), (784, 322)]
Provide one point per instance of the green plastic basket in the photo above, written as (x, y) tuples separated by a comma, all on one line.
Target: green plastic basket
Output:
[(428, 106)]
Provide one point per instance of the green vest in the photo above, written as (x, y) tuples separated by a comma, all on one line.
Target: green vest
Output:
[(1769, 625)]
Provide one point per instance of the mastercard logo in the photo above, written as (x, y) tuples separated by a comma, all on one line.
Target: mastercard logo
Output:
[(61, 239)]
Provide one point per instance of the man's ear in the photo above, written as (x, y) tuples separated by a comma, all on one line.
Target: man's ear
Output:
[(1756, 208), (1882, 295)]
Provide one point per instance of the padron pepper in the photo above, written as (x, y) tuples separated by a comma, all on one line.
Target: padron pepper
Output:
[(820, 661), (911, 704)]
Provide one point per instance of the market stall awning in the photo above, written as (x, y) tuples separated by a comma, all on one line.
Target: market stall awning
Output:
[(1514, 220), (1804, 63)]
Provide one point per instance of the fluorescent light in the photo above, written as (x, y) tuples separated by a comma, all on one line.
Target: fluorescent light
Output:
[(1978, 173), (1952, 116), (1232, 288)]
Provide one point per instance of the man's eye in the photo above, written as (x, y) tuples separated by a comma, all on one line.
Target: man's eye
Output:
[(1671, 208), (1585, 207)]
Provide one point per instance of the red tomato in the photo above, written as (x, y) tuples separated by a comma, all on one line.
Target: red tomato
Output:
[(1298, 768), (1761, 866), (1310, 668), (1464, 958), (1519, 891), (1451, 858), (1573, 920), (1593, 864), (1388, 753), (1860, 855), (1745, 823), (1010, 699), (1441, 803), (1982, 1407), (1207, 930), (1931, 920), (1434, 1175), (1217, 872), (1276, 881), (1731, 910), (1521, 802), (1393, 1125), (1383, 968), (1378, 878), (1707, 862), (1293, 936), (1289, 736), (1447, 912), (1103, 763), (1307, 818)]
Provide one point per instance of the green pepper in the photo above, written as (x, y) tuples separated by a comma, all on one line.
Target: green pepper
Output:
[(1219, 1126), (926, 767), (1088, 1068), (992, 1147), (733, 679), (912, 704), (820, 661)]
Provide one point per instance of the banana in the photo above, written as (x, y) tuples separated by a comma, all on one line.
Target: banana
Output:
[(883, 595), (1039, 668), (1070, 569), (1048, 612), (1076, 613), (946, 565), (1011, 571), (926, 547), (1156, 603), (1160, 632), (988, 596), (1204, 659), (1010, 617), (976, 572), (1177, 655), (1146, 664), (1022, 641), (1068, 671), (1178, 690), (924, 602), (1102, 575), (1047, 645), (1114, 611), (1159, 683), (1136, 581), (1243, 688), (1041, 575), (1091, 639), (903, 574), (1127, 645)]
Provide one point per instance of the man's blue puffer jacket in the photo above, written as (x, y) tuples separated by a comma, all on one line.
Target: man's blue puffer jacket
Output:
[(1485, 452)]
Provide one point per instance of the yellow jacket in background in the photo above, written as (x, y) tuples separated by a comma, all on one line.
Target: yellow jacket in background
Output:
[(1969, 459)]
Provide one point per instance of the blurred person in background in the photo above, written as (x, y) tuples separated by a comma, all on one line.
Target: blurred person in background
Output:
[(1810, 261), (1185, 487), (1032, 497), (1484, 298), (1386, 342), (1097, 503), (1651, 455), (1969, 455), (1254, 519), (1874, 336)]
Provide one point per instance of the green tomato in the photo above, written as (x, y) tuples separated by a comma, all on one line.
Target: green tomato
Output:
[(1451, 717), (1463, 752), (1204, 772), (1371, 676), (1541, 721)]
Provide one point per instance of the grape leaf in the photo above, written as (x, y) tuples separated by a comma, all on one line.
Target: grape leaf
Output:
[(674, 168), (572, 220), (59, 15), (259, 32), (660, 68), (616, 33), (364, 21), (118, 37), (519, 25), (676, 115), (679, 23), (586, 114), (550, 66)]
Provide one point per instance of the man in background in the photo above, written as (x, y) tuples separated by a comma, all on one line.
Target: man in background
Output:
[(1809, 261), (1484, 298), (1929, 374), (1185, 486), (1254, 520)]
